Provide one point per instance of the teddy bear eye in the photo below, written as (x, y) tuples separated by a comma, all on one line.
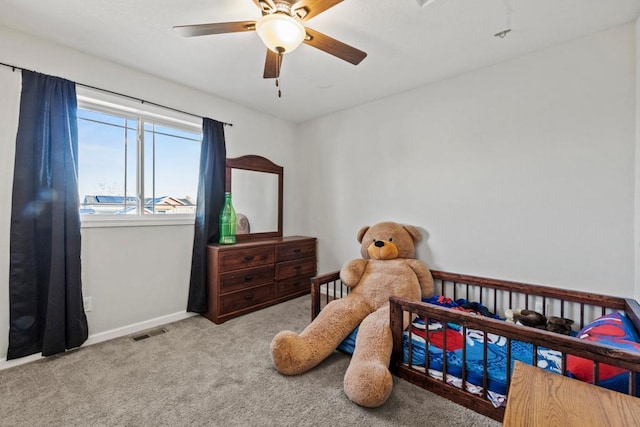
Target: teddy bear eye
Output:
[(391, 239)]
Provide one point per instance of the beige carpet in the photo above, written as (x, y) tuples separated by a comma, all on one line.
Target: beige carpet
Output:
[(202, 374)]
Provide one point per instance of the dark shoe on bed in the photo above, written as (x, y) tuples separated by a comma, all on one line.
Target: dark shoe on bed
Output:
[(559, 325), (531, 318)]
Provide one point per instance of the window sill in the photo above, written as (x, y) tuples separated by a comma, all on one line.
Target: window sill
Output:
[(106, 221)]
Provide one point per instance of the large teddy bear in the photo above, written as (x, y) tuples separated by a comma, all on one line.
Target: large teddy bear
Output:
[(387, 267)]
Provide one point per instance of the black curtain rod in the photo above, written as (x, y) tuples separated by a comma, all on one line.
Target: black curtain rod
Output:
[(142, 101)]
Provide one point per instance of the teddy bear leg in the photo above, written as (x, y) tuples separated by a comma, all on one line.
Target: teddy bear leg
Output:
[(368, 381), (293, 354)]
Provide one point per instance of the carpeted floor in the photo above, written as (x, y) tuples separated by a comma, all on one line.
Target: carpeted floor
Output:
[(202, 374)]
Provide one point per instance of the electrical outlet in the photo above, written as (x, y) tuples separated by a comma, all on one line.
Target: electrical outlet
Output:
[(88, 304)]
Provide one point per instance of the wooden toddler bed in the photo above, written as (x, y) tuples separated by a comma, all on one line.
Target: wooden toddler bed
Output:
[(471, 355)]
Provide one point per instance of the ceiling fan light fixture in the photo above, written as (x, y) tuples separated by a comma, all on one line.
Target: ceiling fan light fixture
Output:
[(280, 33)]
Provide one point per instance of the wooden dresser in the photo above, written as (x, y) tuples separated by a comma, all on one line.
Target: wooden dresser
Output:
[(246, 277)]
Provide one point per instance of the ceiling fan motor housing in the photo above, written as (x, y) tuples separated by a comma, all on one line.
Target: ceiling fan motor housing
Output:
[(283, 7)]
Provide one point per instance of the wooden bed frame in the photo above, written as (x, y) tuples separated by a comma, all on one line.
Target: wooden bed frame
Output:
[(497, 295)]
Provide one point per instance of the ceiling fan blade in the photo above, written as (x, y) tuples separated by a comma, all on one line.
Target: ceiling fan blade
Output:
[(307, 9), (272, 65), (334, 47), (217, 28)]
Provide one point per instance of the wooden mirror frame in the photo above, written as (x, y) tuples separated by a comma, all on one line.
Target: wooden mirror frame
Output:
[(257, 164)]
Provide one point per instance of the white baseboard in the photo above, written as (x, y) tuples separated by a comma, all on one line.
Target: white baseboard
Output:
[(4, 364), (137, 327), (108, 335)]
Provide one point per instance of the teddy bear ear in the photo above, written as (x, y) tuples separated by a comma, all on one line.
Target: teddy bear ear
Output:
[(361, 233), (413, 232)]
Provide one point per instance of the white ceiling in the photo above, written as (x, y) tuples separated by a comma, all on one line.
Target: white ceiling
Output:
[(407, 45)]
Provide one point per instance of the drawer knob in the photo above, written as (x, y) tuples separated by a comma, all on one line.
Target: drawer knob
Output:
[(248, 296), (248, 277), (297, 250), (248, 257), (297, 267), (296, 284)]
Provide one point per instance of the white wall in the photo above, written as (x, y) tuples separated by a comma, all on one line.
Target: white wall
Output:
[(134, 274), (522, 171), (9, 105), (636, 241)]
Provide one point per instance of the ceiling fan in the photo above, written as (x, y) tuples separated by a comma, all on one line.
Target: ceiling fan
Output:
[(282, 29)]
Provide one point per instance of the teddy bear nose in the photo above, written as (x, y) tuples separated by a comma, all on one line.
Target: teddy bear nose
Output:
[(379, 243)]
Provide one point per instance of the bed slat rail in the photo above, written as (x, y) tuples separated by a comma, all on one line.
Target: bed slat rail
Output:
[(496, 295), (563, 343), (324, 289), (582, 307), (443, 277), (597, 354)]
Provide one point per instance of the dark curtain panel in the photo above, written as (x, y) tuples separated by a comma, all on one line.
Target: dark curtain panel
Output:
[(213, 156), (45, 290)]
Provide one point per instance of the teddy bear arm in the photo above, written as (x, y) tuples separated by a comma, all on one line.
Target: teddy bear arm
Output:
[(424, 276), (352, 271)]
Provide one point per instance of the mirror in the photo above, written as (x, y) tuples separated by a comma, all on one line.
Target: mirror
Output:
[(255, 195), (256, 186)]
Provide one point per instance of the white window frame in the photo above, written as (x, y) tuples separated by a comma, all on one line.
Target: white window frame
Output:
[(108, 103)]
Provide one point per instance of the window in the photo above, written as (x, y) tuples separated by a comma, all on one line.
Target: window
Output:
[(136, 162)]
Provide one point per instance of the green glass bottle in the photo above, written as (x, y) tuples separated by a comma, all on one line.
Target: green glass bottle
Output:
[(227, 222)]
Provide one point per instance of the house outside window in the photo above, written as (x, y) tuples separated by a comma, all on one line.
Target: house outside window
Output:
[(134, 161)]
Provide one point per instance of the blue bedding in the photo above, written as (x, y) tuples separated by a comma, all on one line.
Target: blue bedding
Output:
[(496, 356), (612, 329), (496, 349)]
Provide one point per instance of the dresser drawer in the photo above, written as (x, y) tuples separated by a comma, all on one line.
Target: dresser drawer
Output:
[(245, 258), (294, 285), (241, 279), (298, 267), (295, 250), (255, 274), (246, 298)]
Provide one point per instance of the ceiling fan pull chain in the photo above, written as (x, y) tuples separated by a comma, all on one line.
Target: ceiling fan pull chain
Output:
[(507, 30), (278, 62)]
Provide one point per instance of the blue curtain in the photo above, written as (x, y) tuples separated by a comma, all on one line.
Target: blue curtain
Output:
[(213, 156), (45, 289)]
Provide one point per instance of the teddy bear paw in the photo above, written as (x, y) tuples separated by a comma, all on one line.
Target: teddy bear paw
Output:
[(368, 384), (291, 355)]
